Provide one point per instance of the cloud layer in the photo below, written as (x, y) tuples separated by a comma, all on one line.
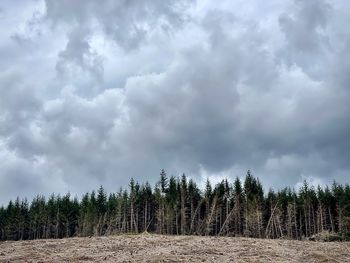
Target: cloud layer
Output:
[(96, 93)]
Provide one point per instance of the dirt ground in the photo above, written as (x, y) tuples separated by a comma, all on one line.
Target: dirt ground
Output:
[(158, 248)]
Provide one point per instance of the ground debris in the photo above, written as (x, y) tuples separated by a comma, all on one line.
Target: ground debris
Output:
[(159, 248), (327, 236)]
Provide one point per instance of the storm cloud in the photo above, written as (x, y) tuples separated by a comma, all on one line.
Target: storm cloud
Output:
[(98, 92)]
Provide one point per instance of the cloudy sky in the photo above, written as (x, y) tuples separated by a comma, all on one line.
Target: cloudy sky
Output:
[(96, 92)]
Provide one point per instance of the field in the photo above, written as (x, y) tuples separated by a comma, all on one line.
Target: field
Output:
[(158, 248)]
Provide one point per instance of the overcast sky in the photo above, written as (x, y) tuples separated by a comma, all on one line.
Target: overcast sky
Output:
[(96, 92)]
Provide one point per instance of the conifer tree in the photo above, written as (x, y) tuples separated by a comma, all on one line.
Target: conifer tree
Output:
[(178, 206)]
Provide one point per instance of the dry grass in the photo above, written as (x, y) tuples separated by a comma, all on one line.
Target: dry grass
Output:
[(158, 248)]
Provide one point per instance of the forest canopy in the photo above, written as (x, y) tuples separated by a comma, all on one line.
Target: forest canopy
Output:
[(176, 206)]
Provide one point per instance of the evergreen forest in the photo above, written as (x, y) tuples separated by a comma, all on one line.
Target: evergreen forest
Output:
[(177, 206)]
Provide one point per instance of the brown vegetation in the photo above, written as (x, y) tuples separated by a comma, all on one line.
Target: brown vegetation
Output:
[(160, 248)]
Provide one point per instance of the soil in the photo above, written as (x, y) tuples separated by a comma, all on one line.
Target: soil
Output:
[(159, 248)]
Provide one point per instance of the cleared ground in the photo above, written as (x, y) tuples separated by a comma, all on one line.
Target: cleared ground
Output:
[(158, 248)]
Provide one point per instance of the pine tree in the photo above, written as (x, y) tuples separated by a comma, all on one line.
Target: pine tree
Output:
[(177, 206), (183, 194)]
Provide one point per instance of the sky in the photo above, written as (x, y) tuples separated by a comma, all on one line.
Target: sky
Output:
[(96, 92)]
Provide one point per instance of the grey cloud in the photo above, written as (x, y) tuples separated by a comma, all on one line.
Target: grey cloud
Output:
[(18, 103), (22, 178), (198, 102), (79, 61), (305, 29), (127, 22), (218, 95)]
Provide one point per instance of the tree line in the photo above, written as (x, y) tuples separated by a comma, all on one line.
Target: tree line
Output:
[(176, 206)]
